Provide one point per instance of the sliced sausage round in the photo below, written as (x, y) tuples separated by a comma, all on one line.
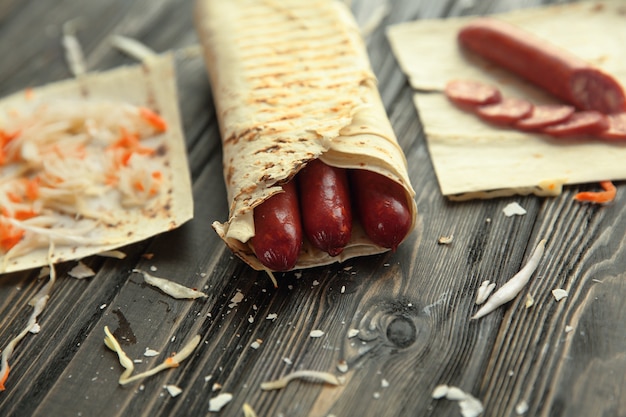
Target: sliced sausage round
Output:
[(544, 115), (471, 93), (547, 66), (580, 123), (506, 112), (617, 127)]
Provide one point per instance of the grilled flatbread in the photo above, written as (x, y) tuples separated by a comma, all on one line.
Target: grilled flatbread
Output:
[(473, 159), (91, 164), (292, 83)]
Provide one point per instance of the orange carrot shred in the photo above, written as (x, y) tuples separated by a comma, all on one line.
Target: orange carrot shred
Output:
[(32, 188), (14, 197), (3, 378), (599, 197), (9, 236), (25, 214), (139, 185), (153, 119), (171, 362)]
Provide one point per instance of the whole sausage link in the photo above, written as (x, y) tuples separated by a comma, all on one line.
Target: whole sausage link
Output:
[(382, 207), (278, 230), (325, 206), (547, 66)]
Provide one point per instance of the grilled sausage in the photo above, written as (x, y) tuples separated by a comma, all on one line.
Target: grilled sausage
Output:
[(549, 67), (278, 230), (382, 207), (325, 206)]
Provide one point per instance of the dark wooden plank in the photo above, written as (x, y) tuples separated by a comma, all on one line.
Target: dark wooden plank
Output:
[(412, 307)]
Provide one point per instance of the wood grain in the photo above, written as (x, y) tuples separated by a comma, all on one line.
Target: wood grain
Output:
[(412, 307)]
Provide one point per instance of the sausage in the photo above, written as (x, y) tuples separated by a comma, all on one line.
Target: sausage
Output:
[(580, 123), (506, 112), (471, 93), (544, 115), (325, 206), (556, 71), (617, 127), (382, 207), (278, 230)]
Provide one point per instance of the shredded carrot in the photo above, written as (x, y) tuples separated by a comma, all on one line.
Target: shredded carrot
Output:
[(9, 235), (32, 188), (139, 185), (127, 145), (3, 378), (153, 119), (599, 197), (25, 214), (14, 197), (171, 362)]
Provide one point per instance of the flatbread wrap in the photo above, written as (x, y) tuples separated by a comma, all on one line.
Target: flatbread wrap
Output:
[(292, 83), (91, 164)]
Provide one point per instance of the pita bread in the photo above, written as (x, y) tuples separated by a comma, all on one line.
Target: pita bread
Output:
[(292, 82), (475, 160), (151, 86)]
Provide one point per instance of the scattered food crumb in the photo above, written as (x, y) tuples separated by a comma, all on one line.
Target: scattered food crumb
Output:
[(173, 390), (343, 289), (103, 306), (171, 288), (248, 411), (256, 344), (237, 298), (250, 319), (117, 254), (568, 329), (153, 268), (470, 406), (513, 286), (150, 352), (315, 283), (445, 240), (559, 294), (484, 291), (316, 376), (440, 391), (216, 386), (217, 403), (81, 271), (384, 383), (521, 407), (272, 316), (35, 328), (376, 395), (342, 366), (529, 301), (288, 361), (513, 209), (352, 333), (316, 333)]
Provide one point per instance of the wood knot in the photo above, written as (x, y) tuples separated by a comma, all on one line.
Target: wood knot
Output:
[(388, 327), (401, 332)]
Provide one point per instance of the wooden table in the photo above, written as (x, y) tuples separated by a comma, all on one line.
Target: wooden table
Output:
[(412, 307)]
